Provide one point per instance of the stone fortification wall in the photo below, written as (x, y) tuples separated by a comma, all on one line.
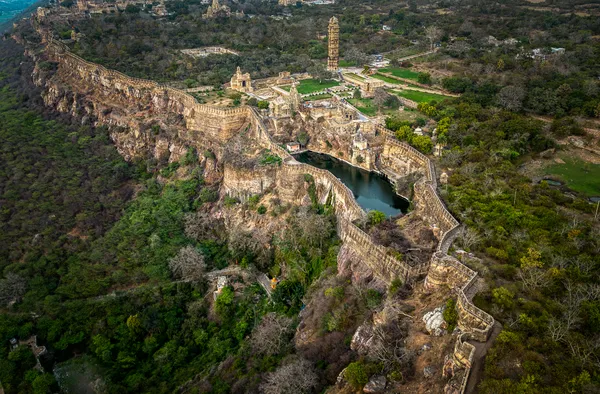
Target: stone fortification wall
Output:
[(220, 123), (223, 123), (447, 270), (385, 266)]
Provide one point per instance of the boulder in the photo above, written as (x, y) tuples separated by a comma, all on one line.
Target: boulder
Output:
[(425, 347), (434, 322), (376, 384), (362, 338), (428, 371)]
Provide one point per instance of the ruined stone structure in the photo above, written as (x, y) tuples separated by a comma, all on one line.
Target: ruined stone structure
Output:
[(361, 154), (333, 44), (367, 85), (106, 90), (215, 9), (287, 103), (206, 51), (241, 82)]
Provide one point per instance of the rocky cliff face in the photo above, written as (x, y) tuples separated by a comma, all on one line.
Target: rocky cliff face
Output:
[(145, 119)]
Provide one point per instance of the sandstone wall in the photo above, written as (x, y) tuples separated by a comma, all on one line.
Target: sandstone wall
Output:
[(219, 123)]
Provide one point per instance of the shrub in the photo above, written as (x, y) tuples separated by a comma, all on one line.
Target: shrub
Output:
[(263, 104), (209, 155), (230, 201), (191, 157), (376, 217), (373, 298), (424, 78), (262, 210), (503, 297), (356, 374), (395, 286), (253, 200), (224, 303), (451, 314), (337, 292), (169, 170)]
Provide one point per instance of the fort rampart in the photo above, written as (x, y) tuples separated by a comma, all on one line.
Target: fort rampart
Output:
[(223, 123)]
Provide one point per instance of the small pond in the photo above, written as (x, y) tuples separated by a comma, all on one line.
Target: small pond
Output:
[(372, 191), (551, 182)]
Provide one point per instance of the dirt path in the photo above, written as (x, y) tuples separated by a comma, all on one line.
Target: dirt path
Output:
[(481, 350)]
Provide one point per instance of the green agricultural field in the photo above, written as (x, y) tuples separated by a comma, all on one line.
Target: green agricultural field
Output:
[(366, 107), (387, 79), (578, 175), (420, 97), (312, 85), (356, 77), (400, 72)]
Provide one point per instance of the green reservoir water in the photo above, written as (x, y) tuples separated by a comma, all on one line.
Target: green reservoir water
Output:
[(372, 191)]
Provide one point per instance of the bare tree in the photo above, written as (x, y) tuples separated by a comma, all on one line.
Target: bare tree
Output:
[(188, 264), (379, 97), (433, 33), (272, 334), (244, 243), (295, 376), (355, 55), (199, 225), (12, 288), (534, 278), (389, 349), (468, 237), (511, 98), (314, 228), (557, 329)]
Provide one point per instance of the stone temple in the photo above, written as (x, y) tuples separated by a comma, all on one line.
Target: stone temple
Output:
[(241, 82)]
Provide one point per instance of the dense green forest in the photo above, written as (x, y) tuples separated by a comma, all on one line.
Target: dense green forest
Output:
[(93, 252)]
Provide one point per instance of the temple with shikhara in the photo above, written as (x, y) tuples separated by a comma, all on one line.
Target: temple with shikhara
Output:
[(333, 45), (241, 82), (215, 10)]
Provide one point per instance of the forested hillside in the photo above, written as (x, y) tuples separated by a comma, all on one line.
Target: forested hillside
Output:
[(96, 253)]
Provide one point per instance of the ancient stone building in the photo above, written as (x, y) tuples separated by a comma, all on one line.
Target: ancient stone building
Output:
[(295, 99), (284, 106), (367, 85), (160, 9), (241, 82), (334, 44), (361, 154), (82, 5), (286, 3), (215, 10)]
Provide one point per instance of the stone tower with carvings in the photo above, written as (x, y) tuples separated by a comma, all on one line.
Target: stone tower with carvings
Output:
[(334, 44)]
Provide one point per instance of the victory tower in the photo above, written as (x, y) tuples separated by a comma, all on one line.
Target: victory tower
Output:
[(334, 44)]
